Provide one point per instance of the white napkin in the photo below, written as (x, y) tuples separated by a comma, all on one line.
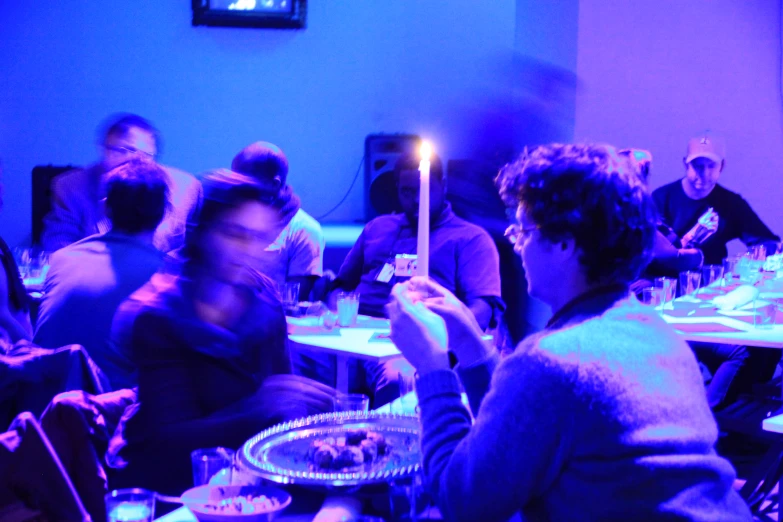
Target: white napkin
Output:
[(738, 297)]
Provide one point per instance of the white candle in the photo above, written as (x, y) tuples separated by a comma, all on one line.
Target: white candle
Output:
[(423, 238)]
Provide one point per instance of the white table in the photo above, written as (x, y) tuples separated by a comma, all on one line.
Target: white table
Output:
[(748, 334), (359, 342)]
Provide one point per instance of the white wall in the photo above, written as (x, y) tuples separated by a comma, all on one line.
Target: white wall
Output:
[(655, 72), (360, 67)]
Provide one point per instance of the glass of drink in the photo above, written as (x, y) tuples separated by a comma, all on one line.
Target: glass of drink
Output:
[(130, 505), (652, 296), (764, 313), (689, 282), (212, 466), (711, 275), (668, 287), (351, 402), (730, 273), (289, 293), (347, 308)]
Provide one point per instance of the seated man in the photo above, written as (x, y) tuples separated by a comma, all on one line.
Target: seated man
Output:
[(602, 415), (463, 259), (295, 253), (89, 279), (76, 195), (681, 203)]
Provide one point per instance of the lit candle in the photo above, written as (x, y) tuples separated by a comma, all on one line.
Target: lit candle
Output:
[(423, 243)]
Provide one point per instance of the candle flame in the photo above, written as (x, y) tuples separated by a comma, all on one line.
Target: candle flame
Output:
[(425, 151)]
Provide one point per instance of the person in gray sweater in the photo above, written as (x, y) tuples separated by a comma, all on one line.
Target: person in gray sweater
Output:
[(602, 415)]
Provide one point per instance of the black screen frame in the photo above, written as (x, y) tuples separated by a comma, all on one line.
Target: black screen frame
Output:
[(203, 14)]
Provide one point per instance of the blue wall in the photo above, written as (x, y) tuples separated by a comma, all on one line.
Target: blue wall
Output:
[(360, 67)]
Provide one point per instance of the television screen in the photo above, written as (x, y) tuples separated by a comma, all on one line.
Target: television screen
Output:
[(279, 14)]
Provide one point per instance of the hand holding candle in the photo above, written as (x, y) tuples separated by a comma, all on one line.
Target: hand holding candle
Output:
[(423, 237)]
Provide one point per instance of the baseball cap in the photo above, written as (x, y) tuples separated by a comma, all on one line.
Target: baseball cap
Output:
[(706, 146)]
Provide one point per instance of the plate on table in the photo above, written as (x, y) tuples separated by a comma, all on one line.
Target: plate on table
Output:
[(286, 453)]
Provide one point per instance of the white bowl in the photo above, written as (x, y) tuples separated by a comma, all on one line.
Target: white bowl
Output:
[(196, 499)]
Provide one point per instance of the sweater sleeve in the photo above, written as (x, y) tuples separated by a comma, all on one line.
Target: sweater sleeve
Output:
[(512, 453)]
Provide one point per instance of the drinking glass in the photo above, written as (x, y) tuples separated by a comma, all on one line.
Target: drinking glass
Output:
[(408, 401), (757, 252), (764, 313), (730, 272), (130, 505), (347, 308), (711, 274), (290, 296), (351, 402), (668, 287), (212, 465), (689, 282), (653, 296)]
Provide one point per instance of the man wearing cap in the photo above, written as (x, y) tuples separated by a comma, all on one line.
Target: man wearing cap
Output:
[(295, 254), (683, 202)]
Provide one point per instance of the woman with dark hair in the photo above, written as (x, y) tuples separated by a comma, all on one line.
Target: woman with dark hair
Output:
[(14, 301), (602, 415), (669, 256), (209, 344)]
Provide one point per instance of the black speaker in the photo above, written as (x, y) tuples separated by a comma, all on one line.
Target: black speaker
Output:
[(42, 195), (381, 152)]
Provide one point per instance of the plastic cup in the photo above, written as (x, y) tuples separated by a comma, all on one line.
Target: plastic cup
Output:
[(689, 282), (289, 293), (212, 466), (130, 505), (351, 402), (347, 308)]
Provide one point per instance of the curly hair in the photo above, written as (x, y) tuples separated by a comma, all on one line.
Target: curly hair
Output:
[(591, 194)]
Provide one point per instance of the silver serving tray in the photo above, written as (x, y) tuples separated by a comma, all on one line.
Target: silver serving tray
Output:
[(280, 453)]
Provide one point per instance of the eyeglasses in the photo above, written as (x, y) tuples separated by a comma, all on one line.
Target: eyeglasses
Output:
[(515, 233), (240, 233), (119, 149)]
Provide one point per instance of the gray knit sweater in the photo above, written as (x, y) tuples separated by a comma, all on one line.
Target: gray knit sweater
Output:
[(602, 416)]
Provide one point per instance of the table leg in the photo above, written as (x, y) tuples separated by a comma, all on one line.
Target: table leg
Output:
[(342, 373)]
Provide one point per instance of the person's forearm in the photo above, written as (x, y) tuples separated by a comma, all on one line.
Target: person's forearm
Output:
[(482, 311), (16, 331)]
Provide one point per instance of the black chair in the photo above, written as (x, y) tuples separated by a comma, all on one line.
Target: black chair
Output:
[(42, 177)]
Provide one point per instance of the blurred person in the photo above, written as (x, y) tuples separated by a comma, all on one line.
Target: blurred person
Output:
[(600, 416), (296, 252), (14, 301), (209, 344), (681, 203), (77, 211), (463, 259), (89, 279)]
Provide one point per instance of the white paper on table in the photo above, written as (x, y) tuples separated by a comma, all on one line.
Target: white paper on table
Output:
[(737, 298)]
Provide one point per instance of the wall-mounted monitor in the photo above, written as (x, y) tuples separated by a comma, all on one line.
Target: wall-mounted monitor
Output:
[(275, 14)]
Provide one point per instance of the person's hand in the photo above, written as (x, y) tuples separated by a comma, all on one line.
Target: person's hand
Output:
[(465, 335), (288, 397), (417, 332)]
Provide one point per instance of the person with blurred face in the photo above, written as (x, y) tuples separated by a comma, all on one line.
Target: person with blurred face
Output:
[(602, 415), (463, 258), (681, 203), (296, 248), (77, 195), (209, 344)]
